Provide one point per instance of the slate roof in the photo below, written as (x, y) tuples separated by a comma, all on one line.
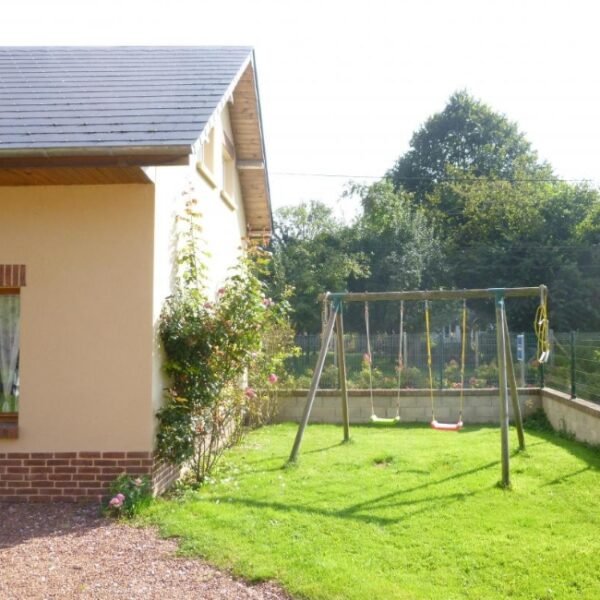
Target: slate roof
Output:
[(59, 98)]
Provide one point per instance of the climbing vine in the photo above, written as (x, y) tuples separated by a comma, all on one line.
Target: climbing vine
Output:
[(210, 344)]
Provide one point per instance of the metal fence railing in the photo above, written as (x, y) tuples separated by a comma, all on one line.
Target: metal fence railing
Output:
[(574, 365)]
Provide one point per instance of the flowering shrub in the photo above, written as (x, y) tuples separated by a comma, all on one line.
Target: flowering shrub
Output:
[(267, 374), (210, 346), (127, 495), (488, 373)]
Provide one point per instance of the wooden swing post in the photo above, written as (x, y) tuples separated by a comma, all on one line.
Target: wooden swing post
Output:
[(514, 394), (502, 385), (341, 355), (505, 363), (314, 384)]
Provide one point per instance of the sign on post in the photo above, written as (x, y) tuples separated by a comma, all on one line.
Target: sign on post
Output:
[(521, 347)]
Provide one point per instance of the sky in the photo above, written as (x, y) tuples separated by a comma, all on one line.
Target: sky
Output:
[(344, 85)]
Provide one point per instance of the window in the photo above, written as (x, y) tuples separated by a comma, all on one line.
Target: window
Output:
[(12, 279), (206, 166), (228, 187), (208, 152), (10, 312)]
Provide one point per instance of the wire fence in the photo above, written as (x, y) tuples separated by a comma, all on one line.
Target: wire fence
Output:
[(480, 360), (573, 367)]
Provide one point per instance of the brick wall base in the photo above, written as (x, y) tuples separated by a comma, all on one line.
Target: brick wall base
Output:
[(75, 476)]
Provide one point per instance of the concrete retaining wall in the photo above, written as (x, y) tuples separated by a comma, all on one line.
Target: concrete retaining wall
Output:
[(577, 417), (480, 406), (572, 415)]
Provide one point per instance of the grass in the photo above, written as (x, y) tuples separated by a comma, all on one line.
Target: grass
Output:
[(403, 512)]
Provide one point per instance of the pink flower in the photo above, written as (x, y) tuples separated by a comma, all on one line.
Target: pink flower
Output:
[(221, 291), (120, 496), (250, 393), (367, 358), (137, 482), (273, 378), (267, 302), (116, 502)]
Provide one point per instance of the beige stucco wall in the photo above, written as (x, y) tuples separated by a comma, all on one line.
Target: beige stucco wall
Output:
[(100, 263), (223, 227), (222, 231), (86, 315)]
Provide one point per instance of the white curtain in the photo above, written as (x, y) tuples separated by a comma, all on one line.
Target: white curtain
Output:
[(9, 352)]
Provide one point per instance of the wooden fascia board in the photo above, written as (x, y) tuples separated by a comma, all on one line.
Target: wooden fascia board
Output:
[(250, 165), (261, 164), (260, 127), (88, 157)]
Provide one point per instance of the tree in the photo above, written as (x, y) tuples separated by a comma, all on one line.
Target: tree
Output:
[(401, 247), (313, 253), (466, 137), (503, 217), (588, 230), (523, 232)]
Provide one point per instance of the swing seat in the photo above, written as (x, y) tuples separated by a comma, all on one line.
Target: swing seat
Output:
[(446, 426), (383, 421)]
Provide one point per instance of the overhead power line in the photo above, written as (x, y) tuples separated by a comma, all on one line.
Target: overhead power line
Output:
[(437, 179)]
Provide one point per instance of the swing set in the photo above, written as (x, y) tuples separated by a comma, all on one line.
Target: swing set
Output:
[(333, 313)]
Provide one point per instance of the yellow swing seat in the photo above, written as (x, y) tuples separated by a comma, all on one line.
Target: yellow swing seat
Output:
[(384, 420)]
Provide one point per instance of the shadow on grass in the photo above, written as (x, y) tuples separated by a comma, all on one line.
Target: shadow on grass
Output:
[(325, 448), (590, 455), (373, 503), (565, 478), (357, 512), (349, 514), (283, 462), (551, 436)]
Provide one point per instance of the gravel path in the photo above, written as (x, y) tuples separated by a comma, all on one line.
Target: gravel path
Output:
[(64, 551)]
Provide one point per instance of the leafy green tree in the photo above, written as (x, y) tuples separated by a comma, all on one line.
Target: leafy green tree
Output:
[(588, 230), (468, 205), (467, 137), (313, 253), (401, 247), (516, 233), (502, 217)]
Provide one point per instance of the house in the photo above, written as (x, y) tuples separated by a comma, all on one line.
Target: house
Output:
[(98, 146)]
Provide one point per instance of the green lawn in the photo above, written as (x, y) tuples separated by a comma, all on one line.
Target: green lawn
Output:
[(406, 512)]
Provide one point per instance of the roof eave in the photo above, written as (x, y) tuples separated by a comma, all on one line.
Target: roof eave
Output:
[(262, 139), (154, 155)]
